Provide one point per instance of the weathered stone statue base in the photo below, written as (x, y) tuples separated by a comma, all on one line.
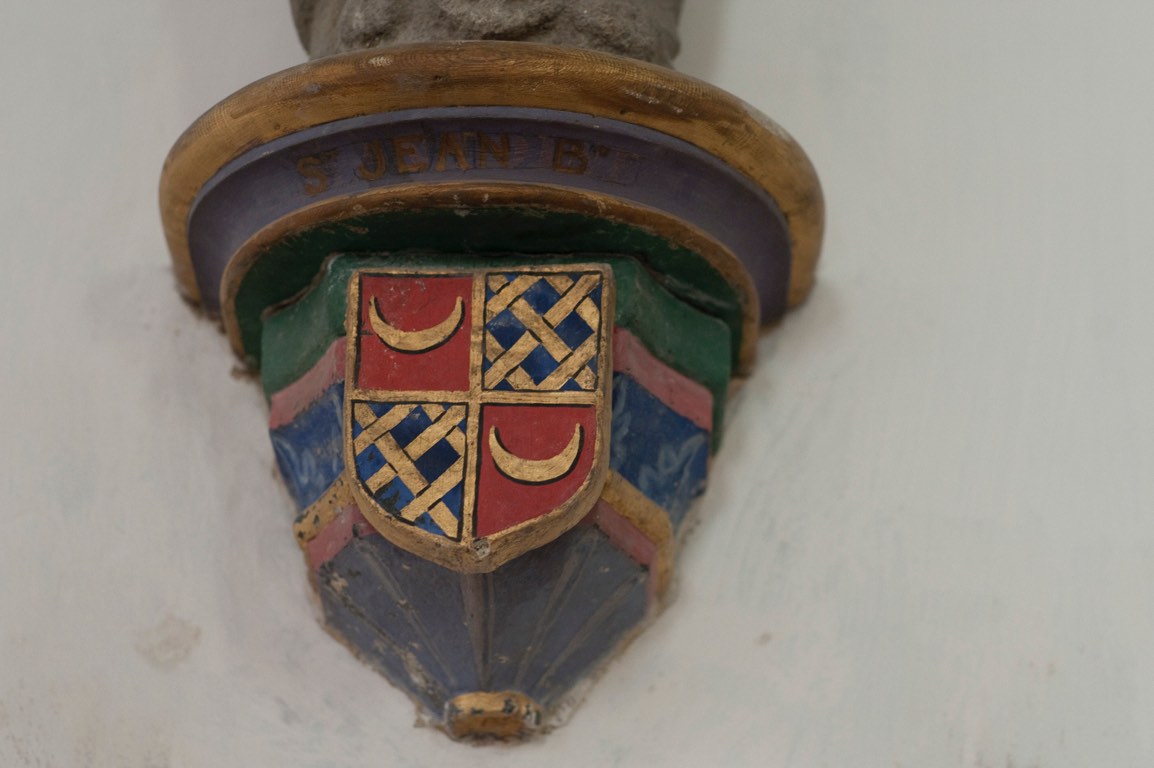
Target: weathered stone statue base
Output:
[(639, 29)]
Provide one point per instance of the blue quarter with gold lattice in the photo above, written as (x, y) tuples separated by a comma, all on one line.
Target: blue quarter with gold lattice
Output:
[(541, 332), (411, 458)]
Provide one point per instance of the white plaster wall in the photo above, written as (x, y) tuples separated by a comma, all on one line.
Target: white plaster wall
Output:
[(930, 532)]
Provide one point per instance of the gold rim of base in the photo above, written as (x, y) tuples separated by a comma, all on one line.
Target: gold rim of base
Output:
[(488, 715), (493, 73)]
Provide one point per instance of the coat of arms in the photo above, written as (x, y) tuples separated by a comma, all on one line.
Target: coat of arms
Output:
[(475, 418)]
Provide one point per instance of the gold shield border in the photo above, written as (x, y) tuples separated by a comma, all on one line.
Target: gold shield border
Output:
[(471, 554)]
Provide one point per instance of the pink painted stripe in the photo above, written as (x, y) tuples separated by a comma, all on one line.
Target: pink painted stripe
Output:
[(628, 538), (327, 544), (624, 534), (687, 397), (287, 404)]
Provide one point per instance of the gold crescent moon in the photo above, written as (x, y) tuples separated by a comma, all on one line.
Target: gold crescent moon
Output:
[(415, 341), (536, 471)]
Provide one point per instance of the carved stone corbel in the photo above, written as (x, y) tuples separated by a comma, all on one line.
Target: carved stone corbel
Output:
[(496, 292)]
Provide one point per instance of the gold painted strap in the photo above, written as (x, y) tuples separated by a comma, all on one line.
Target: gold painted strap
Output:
[(323, 511), (629, 502)]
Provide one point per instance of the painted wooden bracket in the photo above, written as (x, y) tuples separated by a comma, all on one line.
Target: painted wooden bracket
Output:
[(496, 293)]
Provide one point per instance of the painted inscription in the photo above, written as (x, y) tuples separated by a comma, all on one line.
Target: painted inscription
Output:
[(462, 151)]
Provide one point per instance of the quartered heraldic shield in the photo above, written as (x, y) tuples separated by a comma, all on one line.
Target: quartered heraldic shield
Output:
[(477, 406)]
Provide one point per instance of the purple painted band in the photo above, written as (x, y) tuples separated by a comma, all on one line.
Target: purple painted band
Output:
[(498, 144)]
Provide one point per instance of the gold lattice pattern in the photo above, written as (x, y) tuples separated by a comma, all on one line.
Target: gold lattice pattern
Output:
[(426, 475), (541, 332)]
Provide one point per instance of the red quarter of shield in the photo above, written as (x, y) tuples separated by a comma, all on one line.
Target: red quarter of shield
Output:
[(413, 333), (534, 458)]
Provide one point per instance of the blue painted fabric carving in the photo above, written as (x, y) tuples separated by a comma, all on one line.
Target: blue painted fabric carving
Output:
[(657, 449), (308, 449)]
